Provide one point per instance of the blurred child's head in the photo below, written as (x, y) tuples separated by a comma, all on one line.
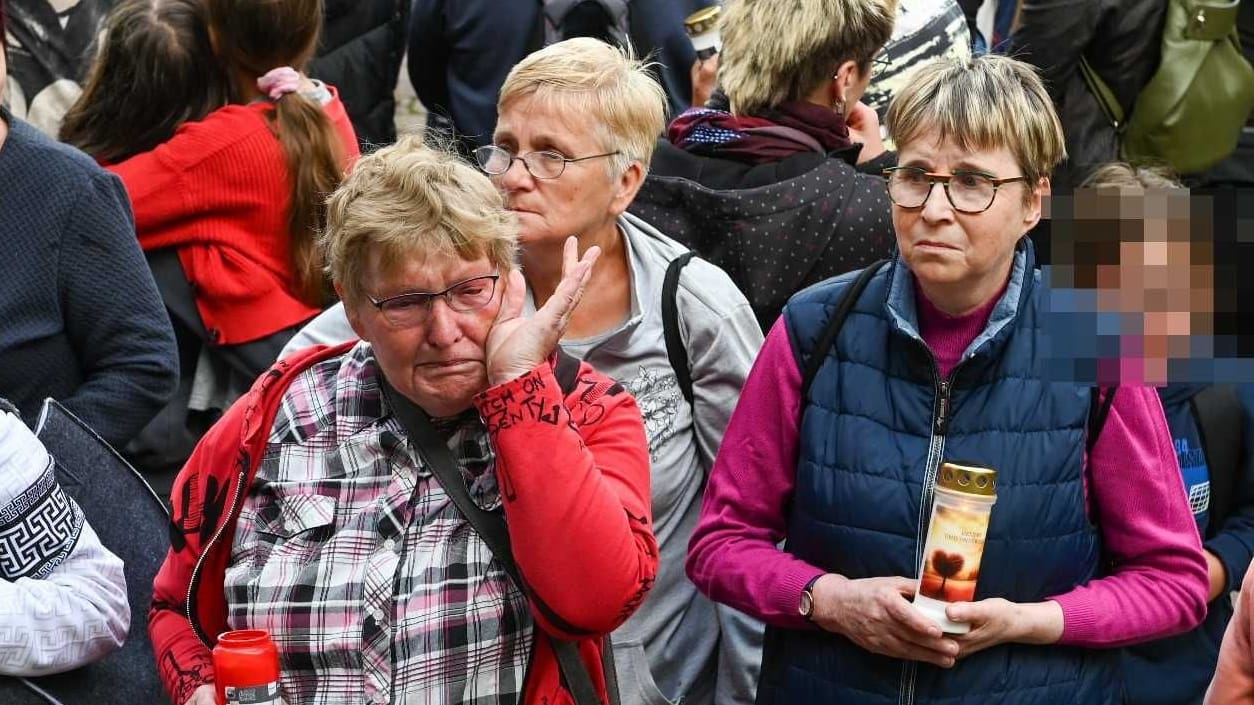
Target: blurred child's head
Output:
[(1127, 234)]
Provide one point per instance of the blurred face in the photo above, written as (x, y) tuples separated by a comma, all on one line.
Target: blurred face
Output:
[(1162, 286), (583, 199), (950, 250), (438, 361)]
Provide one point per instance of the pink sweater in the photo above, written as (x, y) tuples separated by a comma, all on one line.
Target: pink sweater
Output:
[(1159, 586)]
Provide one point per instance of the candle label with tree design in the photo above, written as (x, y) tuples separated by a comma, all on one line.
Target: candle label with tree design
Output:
[(951, 558)]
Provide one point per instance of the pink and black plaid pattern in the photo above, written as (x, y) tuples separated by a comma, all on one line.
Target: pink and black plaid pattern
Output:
[(351, 555)]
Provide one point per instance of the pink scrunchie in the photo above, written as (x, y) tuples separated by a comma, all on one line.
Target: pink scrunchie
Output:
[(279, 82)]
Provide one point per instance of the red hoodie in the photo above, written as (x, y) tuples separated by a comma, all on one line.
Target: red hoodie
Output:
[(219, 190), (574, 450)]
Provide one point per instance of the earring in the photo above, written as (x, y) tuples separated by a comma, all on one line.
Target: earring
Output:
[(838, 106)]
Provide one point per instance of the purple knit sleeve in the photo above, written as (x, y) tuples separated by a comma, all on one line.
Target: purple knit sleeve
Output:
[(1159, 584), (733, 555)]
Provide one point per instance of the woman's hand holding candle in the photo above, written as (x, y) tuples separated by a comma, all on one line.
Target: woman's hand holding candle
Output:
[(996, 621), (875, 614)]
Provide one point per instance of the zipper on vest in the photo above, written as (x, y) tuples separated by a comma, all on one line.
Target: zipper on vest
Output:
[(217, 535), (935, 452)]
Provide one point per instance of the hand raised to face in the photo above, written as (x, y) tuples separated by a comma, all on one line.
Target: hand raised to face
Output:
[(516, 345)]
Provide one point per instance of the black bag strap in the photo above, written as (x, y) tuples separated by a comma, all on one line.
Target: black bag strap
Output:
[(828, 338), (1099, 409), (1218, 413), (566, 370), (675, 349), (249, 359), (489, 525), (1105, 97)]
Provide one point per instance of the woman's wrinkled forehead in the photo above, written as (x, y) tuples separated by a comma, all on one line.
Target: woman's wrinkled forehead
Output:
[(566, 110), (426, 270)]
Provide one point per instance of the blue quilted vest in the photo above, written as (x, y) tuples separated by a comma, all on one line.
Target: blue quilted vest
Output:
[(878, 423)]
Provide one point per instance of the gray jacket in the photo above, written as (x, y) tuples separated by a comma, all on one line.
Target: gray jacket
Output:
[(670, 650)]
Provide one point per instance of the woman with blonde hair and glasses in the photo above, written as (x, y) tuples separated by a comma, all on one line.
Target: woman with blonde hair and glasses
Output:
[(942, 357), (578, 121)]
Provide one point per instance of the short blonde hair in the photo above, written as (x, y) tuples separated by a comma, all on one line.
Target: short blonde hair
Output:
[(625, 100), (781, 50), (409, 200), (986, 102)]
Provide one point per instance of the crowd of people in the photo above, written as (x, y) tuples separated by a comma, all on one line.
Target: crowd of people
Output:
[(632, 379)]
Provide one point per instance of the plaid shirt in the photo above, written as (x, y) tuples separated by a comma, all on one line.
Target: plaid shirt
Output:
[(351, 555)]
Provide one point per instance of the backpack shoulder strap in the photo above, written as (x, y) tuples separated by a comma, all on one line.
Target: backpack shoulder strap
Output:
[(566, 371), (675, 349), (1100, 402), (1218, 413), (828, 338), (1099, 409)]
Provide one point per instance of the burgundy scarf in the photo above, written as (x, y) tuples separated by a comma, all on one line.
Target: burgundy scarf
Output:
[(792, 128)]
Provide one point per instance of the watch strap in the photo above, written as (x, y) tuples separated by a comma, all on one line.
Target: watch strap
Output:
[(807, 593)]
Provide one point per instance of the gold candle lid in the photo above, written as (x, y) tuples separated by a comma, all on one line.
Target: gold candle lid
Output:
[(702, 20), (968, 479)]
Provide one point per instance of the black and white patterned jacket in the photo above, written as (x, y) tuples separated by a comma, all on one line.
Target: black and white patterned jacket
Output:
[(62, 594)]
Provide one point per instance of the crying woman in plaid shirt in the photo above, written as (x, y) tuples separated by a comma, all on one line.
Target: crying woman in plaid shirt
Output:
[(310, 512)]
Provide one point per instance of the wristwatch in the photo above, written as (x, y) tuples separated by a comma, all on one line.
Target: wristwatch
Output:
[(807, 598)]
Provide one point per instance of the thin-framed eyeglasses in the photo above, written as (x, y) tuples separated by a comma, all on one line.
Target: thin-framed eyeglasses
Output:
[(412, 308), (879, 64), (547, 164), (968, 191)]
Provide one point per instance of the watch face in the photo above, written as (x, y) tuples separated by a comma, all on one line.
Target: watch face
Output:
[(807, 604)]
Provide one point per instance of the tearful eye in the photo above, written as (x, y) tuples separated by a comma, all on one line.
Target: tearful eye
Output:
[(405, 304)]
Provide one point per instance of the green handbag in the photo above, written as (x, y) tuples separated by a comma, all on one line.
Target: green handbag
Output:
[(1191, 112)]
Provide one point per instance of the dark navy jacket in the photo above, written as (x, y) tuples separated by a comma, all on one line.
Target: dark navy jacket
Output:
[(460, 53), (876, 427), (82, 320), (775, 228), (1176, 670)]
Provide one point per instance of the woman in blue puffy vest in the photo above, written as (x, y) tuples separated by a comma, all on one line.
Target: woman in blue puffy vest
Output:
[(947, 354)]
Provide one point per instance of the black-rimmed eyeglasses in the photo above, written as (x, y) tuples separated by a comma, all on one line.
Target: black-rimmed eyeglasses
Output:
[(412, 308), (541, 165), (968, 191)]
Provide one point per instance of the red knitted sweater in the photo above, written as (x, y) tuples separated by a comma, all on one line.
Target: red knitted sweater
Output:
[(220, 192)]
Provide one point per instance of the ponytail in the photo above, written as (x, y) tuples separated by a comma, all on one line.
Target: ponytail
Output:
[(253, 37), (315, 161)]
